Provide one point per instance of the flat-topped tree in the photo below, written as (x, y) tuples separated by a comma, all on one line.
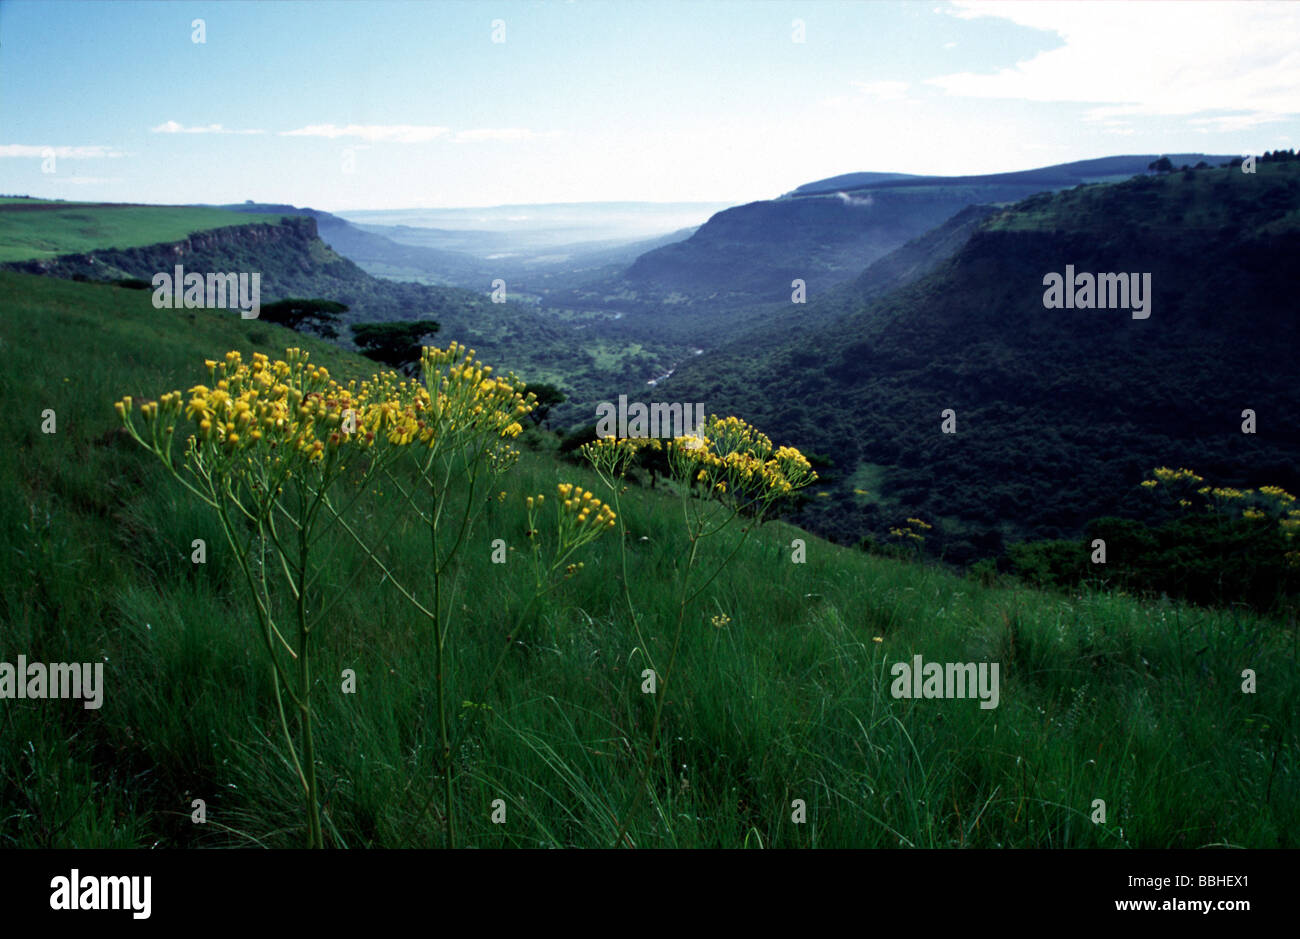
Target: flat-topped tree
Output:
[(397, 345), (320, 315), (548, 396)]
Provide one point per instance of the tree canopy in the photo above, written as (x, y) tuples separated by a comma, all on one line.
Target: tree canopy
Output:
[(397, 345), (548, 396), (321, 315)]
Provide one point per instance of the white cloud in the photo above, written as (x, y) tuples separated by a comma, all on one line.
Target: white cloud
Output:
[(1144, 59), (390, 133), (172, 127), (66, 153)]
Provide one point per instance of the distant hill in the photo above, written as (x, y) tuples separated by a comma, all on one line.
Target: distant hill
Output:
[(847, 181), (1060, 412), (1102, 169), (826, 232)]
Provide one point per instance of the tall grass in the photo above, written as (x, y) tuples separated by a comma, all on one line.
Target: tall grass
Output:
[(1104, 696)]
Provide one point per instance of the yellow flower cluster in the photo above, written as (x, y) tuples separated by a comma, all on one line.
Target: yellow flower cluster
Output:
[(611, 456), (580, 518), (1224, 492), (262, 420), (1256, 504), (584, 508), (1182, 480), (279, 413), (721, 620), (912, 530), (726, 457), (1166, 475), (906, 533), (461, 397), (1278, 493), (1291, 524), (730, 456), (501, 456)]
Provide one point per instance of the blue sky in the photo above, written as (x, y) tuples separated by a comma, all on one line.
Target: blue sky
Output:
[(366, 104)]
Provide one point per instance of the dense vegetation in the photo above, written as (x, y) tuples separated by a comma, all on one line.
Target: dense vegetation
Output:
[(1059, 414), (1203, 558)]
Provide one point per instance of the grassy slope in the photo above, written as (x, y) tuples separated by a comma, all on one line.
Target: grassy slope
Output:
[(1102, 697), (34, 230)]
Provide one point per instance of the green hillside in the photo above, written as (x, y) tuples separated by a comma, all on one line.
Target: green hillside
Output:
[(32, 229), (780, 687), (1060, 413)]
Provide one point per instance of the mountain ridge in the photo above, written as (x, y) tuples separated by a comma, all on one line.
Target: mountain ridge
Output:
[(825, 236)]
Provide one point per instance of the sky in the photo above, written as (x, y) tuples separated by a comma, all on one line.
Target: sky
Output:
[(450, 103)]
